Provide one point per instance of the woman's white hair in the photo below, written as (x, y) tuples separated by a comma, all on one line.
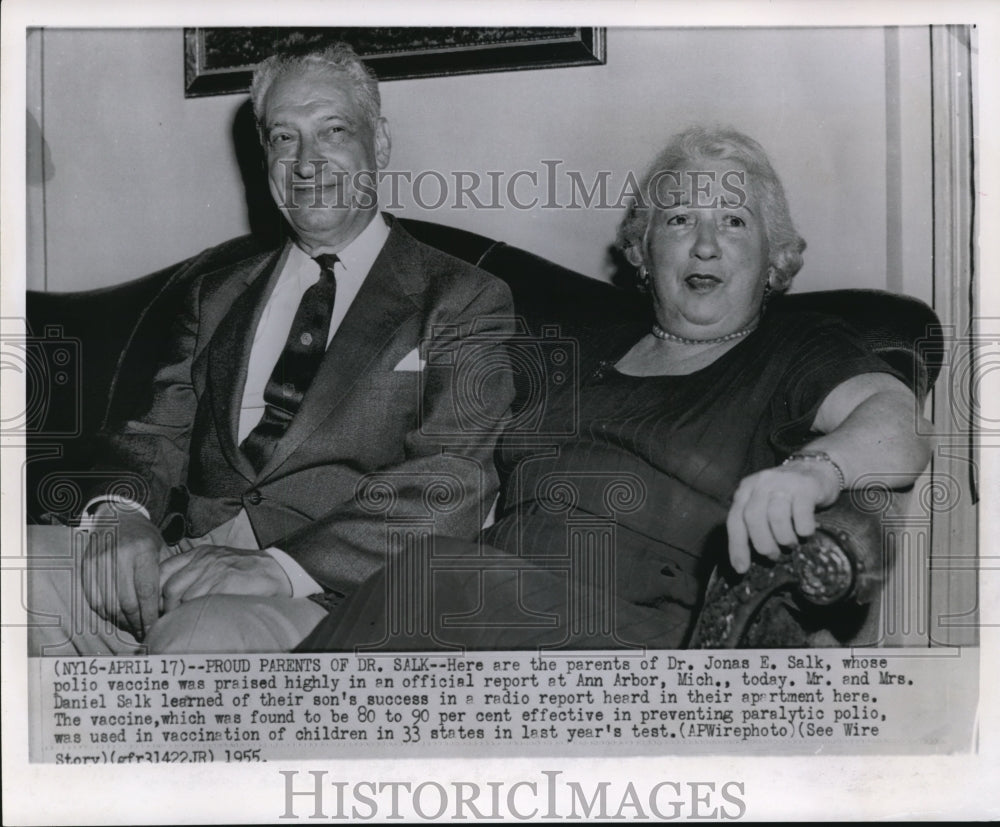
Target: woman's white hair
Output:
[(297, 53), (682, 153)]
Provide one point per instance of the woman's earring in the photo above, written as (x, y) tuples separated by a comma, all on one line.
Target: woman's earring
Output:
[(642, 277), (768, 290)]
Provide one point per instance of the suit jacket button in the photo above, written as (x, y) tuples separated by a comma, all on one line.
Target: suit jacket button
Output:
[(254, 497)]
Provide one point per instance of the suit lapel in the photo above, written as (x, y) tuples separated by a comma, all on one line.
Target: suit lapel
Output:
[(229, 353), (380, 308)]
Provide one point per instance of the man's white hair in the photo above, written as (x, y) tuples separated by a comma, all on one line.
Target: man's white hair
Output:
[(297, 53)]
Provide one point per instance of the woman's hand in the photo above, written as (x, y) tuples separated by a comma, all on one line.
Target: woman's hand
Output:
[(870, 427), (776, 507)]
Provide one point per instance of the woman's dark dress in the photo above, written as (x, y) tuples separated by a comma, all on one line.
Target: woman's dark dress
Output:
[(654, 461)]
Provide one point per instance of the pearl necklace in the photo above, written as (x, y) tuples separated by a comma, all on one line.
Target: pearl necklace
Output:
[(660, 333)]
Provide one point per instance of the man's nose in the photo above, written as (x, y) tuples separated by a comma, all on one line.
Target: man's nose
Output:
[(706, 244), (306, 159)]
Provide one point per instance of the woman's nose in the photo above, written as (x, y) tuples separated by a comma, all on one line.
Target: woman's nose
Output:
[(706, 244)]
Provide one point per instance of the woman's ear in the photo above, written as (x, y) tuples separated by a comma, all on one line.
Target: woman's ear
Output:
[(634, 255)]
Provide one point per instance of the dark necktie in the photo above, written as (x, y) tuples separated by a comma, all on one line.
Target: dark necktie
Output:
[(297, 366)]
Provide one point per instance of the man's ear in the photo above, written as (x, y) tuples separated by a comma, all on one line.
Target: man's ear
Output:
[(383, 144)]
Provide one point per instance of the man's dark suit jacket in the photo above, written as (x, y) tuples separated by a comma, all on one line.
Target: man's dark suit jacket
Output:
[(368, 442)]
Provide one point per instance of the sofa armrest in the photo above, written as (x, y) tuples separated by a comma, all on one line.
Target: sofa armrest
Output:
[(821, 591)]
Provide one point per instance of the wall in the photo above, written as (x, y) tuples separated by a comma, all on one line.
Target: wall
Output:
[(136, 176), (139, 177)]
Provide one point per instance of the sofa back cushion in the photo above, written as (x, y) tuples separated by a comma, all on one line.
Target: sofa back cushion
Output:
[(119, 331)]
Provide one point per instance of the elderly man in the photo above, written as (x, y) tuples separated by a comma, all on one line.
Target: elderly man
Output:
[(291, 380)]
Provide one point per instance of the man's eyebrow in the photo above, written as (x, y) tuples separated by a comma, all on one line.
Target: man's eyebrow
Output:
[(339, 116), (345, 119), (685, 201)]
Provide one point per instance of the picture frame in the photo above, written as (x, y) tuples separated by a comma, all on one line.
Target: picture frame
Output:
[(220, 61)]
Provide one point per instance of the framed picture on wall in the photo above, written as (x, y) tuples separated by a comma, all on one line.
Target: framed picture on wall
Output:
[(221, 61)]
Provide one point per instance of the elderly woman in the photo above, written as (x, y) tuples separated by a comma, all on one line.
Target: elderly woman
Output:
[(726, 426), (737, 422)]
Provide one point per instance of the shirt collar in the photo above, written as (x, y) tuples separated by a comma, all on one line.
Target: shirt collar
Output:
[(357, 257)]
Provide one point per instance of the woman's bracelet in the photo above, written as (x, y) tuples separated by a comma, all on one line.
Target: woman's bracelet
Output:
[(819, 456)]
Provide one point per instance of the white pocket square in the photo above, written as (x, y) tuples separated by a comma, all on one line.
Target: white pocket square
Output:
[(411, 362)]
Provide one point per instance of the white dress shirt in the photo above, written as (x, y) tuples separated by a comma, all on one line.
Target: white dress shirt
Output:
[(299, 272)]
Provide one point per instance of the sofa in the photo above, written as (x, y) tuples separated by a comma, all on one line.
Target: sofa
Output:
[(93, 354)]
